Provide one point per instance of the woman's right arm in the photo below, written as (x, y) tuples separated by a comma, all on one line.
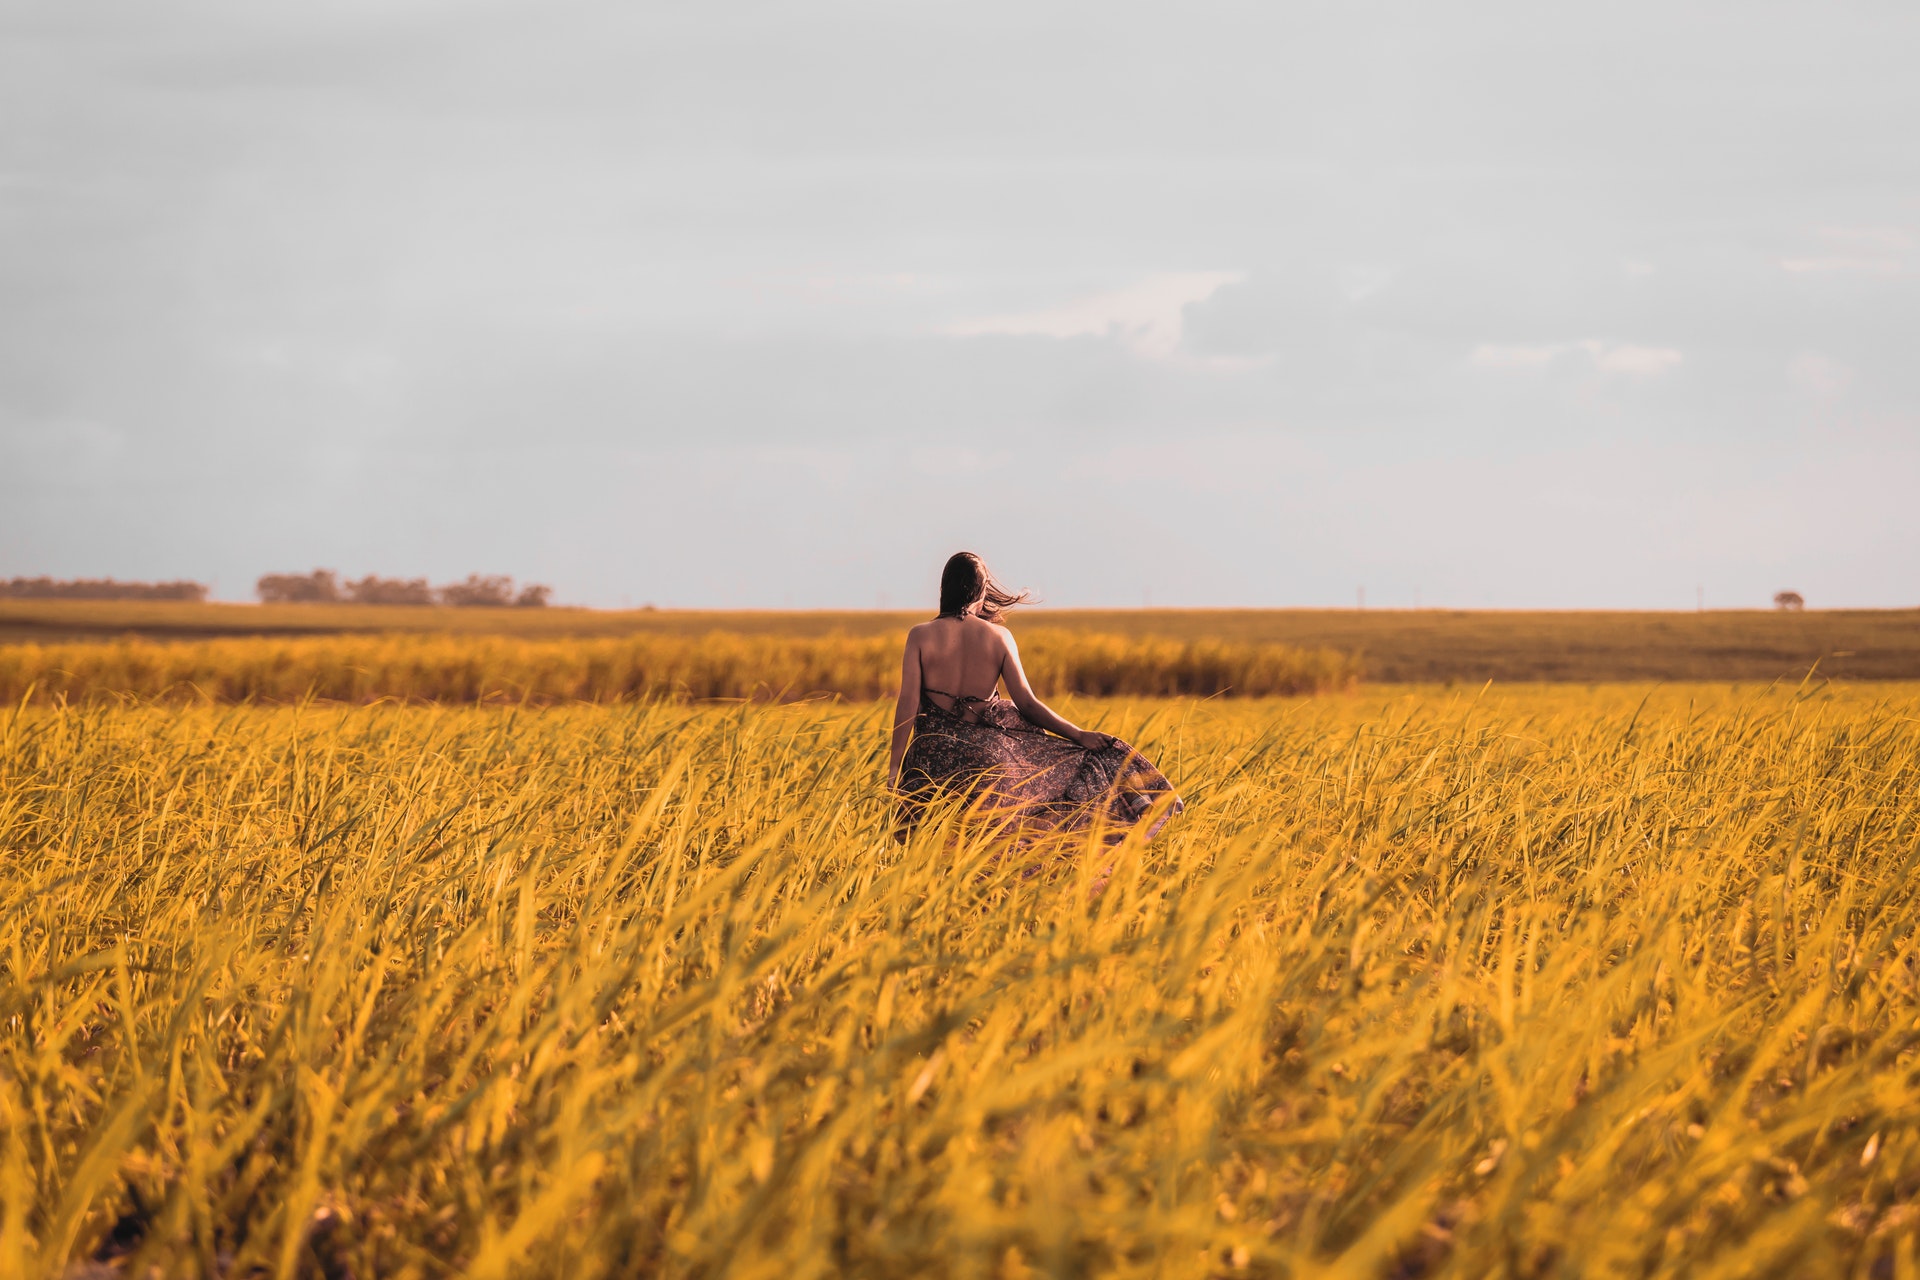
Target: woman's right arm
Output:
[(905, 707), (1037, 711)]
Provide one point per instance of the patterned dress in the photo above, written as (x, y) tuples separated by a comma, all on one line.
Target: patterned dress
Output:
[(1014, 771)]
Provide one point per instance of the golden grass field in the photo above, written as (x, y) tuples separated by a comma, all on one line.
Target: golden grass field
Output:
[(492, 668), (1515, 982), (1394, 646)]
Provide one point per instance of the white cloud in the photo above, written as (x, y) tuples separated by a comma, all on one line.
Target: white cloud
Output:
[(1871, 250), (1608, 357), (1628, 359), (1147, 317)]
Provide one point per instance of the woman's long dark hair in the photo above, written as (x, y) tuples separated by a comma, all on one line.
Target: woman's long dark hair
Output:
[(965, 579)]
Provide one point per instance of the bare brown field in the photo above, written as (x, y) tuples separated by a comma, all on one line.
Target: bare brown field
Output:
[(1394, 646)]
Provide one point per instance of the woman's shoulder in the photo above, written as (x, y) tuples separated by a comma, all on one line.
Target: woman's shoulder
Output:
[(921, 632), (992, 632)]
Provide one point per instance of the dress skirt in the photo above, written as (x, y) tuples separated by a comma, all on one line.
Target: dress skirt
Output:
[(1010, 770)]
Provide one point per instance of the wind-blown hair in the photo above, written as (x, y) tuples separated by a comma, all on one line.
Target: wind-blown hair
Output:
[(965, 580)]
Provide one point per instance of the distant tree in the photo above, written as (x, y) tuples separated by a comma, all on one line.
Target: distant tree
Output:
[(99, 589), (319, 587), (323, 586), (372, 590), (1792, 601), (480, 591)]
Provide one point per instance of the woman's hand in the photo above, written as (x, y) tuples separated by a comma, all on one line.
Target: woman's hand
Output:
[(1092, 739)]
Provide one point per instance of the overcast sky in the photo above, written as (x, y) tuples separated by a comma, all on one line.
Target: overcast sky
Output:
[(767, 305)]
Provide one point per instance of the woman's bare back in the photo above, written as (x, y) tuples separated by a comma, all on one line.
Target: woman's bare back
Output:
[(960, 658)]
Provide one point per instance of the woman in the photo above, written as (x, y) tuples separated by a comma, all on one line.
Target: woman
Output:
[(1016, 760)]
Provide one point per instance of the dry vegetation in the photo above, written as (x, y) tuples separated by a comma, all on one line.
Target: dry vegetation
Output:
[(324, 587), (98, 589), (1544, 982), (719, 665), (1394, 646)]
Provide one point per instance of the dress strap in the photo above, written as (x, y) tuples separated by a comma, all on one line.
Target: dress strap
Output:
[(963, 707), (958, 698)]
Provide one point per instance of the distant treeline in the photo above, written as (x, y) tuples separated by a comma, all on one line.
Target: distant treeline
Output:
[(633, 668), (323, 586), (99, 589)]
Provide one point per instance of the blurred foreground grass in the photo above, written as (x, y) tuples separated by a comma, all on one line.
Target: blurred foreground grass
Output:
[(1543, 982)]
